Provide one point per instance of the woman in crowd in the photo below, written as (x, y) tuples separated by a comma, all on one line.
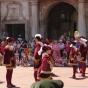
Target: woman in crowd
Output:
[(56, 54)]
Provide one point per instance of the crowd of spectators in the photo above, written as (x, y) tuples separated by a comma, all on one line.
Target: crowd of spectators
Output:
[(24, 50)]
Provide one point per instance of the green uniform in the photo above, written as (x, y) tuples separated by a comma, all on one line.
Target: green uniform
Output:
[(48, 84)]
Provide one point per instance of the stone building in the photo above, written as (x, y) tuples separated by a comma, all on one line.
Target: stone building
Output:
[(51, 18)]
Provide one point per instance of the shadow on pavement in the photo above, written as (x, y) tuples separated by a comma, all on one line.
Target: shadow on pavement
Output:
[(79, 78), (1, 82), (54, 75)]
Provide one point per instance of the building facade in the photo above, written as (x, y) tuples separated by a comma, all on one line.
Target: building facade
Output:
[(51, 18)]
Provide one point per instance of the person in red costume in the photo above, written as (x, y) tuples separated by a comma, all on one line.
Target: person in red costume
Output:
[(45, 69), (82, 63), (37, 57), (73, 59), (9, 61), (82, 49), (1, 52)]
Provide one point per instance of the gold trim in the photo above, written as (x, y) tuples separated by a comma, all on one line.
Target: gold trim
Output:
[(6, 64), (10, 67)]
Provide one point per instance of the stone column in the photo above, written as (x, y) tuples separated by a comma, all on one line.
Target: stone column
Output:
[(86, 16), (0, 16), (81, 18), (34, 17)]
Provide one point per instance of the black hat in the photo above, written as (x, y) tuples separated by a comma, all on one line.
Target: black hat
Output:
[(9, 39)]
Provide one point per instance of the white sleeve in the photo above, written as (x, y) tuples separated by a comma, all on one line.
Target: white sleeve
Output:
[(40, 51)]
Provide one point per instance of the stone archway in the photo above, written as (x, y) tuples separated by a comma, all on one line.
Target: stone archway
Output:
[(61, 18)]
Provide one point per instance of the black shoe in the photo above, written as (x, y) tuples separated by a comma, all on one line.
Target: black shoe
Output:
[(13, 85), (83, 75), (9, 86), (73, 77)]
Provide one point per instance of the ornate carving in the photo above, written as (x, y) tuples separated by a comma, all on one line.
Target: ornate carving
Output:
[(14, 11)]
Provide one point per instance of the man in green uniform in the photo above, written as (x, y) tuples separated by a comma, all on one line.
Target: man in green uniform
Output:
[(46, 83)]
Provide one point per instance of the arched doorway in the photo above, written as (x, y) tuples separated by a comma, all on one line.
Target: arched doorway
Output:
[(62, 18)]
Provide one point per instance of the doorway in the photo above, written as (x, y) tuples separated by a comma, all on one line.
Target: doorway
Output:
[(60, 20), (13, 30)]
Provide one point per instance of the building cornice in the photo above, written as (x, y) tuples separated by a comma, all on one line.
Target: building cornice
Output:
[(18, 0), (12, 0), (83, 1)]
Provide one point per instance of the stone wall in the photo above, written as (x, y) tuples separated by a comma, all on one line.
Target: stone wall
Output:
[(15, 12), (32, 13)]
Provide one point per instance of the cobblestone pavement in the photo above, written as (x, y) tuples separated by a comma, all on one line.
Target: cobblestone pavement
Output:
[(23, 77)]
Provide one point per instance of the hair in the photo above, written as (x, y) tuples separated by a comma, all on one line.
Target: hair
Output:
[(10, 40), (38, 38), (45, 48)]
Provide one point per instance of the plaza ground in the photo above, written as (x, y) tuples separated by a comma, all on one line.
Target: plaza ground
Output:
[(23, 77)]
